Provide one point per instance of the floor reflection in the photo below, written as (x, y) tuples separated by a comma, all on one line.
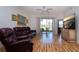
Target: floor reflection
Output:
[(60, 39), (48, 38)]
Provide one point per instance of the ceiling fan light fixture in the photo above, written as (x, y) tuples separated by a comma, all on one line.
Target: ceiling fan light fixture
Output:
[(45, 10)]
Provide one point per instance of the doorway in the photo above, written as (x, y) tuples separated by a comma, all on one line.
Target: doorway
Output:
[(46, 30), (60, 31)]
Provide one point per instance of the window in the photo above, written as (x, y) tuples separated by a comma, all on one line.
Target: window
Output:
[(60, 25)]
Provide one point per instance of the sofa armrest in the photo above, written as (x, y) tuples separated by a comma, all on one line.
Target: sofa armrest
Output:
[(26, 37), (22, 42), (33, 30)]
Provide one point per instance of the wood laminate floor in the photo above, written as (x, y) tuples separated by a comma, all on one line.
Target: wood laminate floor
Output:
[(51, 44), (57, 45)]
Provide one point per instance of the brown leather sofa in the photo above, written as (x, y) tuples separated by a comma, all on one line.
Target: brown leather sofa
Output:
[(12, 44), (24, 32)]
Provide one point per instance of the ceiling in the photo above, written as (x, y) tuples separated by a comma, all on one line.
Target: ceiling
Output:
[(55, 11)]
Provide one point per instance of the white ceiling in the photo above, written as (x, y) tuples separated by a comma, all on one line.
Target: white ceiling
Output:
[(57, 11)]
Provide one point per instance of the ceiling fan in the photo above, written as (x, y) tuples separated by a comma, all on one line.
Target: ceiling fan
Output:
[(45, 10)]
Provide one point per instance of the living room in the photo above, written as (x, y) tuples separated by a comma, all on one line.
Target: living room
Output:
[(27, 18)]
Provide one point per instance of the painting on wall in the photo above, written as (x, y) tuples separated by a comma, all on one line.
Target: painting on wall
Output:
[(13, 17), (21, 20)]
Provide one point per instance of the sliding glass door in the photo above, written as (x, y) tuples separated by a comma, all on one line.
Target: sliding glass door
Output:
[(46, 25)]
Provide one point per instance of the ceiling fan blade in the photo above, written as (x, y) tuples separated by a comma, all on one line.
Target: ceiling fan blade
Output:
[(50, 9), (44, 7), (39, 9)]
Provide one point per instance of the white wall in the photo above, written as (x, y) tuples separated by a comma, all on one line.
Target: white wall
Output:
[(5, 15), (76, 10), (34, 23), (55, 27)]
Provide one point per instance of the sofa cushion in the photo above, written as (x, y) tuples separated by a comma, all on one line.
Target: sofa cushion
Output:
[(8, 36)]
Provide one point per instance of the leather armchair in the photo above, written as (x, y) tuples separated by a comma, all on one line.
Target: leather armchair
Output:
[(9, 40)]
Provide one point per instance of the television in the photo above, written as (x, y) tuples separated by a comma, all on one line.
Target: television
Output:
[(69, 23)]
